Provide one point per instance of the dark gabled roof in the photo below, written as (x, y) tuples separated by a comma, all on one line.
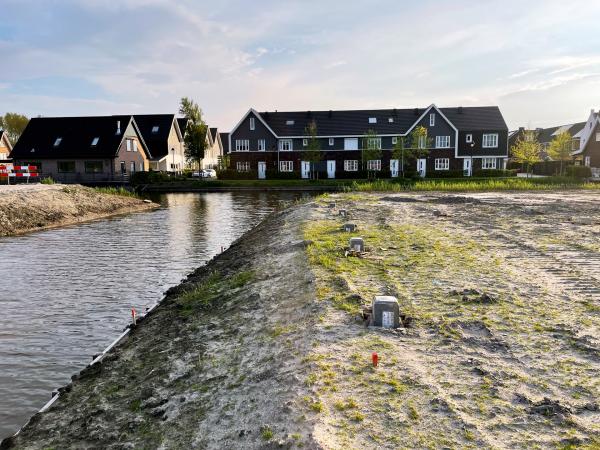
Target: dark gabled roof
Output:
[(77, 134), (157, 141), (182, 122), (356, 122), (546, 135), (225, 142), (213, 134)]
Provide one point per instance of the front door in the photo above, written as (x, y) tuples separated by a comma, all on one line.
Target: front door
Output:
[(467, 167), (305, 169), (394, 167), (422, 167), (262, 170), (331, 169)]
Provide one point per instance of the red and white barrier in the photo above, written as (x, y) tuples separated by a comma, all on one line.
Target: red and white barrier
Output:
[(9, 171)]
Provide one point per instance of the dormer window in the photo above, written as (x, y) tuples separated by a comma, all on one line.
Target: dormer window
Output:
[(57, 141), (469, 138), (390, 120), (252, 124), (372, 119), (289, 122), (95, 141), (155, 129)]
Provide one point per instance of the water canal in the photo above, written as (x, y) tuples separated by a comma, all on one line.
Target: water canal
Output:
[(67, 293)]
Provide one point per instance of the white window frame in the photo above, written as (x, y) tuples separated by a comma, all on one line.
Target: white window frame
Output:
[(488, 163), (262, 145), (597, 137), (442, 163), (422, 141), (286, 166), (390, 120), (290, 122), (587, 161), (304, 142), (374, 164), (127, 144), (286, 145), (350, 165), (489, 140), (134, 143), (469, 138), (330, 141), (95, 141), (243, 166), (432, 120), (242, 145), (442, 142), (252, 124), (376, 141), (155, 129), (372, 119), (354, 145), (57, 141), (394, 140)]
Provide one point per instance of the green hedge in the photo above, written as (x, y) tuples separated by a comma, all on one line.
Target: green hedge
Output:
[(493, 173), (231, 174), (151, 177), (444, 174), (579, 171)]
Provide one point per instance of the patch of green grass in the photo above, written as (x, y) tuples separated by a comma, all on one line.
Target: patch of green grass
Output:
[(47, 180), (357, 416), (242, 278), (135, 405), (413, 414), (266, 432), (116, 191), (342, 405)]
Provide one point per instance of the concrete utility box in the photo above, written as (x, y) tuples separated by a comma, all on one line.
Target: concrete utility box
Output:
[(357, 244), (343, 212), (386, 312), (349, 227)]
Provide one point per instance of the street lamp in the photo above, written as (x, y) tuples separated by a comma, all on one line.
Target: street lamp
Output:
[(471, 166)]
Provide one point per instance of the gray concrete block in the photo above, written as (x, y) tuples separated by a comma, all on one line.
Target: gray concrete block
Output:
[(386, 312), (357, 244), (348, 227)]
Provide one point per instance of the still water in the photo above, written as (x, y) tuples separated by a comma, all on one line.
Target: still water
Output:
[(67, 293)]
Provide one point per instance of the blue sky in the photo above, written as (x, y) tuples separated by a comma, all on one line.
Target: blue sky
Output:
[(538, 60)]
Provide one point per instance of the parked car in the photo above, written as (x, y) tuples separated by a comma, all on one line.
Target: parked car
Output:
[(196, 174), (209, 173)]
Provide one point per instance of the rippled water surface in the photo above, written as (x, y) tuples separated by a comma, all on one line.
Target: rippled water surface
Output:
[(67, 293)]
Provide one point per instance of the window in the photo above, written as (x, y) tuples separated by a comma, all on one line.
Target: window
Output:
[(587, 161), (243, 166), (304, 142), (134, 145), (469, 138), (262, 145), (442, 164), (155, 129), (330, 141), (289, 122), (372, 119), (95, 141), (351, 165), (442, 142), (252, 124), (57, 141), (488, 163), (394, 140), (141, 167), (422, 141), (597, 137), (123, 168), (66, 166), (490, 140), (128, 142), (93, 166), (132, 167), (374, 143), (242, 145), (286, 166), (374, 164), (390, 119), (351, 144), (431, 120), (285, 145)]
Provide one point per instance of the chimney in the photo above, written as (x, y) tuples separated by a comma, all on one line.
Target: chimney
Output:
[(521, 129), (118, 127)]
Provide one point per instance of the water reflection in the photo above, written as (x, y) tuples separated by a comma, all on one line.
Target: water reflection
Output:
[(68, 292)]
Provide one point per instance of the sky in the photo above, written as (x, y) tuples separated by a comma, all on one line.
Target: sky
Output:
[(539, 61)]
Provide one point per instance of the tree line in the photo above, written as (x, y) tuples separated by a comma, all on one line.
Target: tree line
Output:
[(528, 150)]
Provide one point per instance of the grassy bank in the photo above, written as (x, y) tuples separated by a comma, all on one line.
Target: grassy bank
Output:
[(388, 185)]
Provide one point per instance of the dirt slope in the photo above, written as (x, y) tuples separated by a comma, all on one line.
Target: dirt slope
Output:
[(25, 208)]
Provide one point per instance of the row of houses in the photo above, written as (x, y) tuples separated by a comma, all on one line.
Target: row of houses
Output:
[(462, 139), (108, 148)]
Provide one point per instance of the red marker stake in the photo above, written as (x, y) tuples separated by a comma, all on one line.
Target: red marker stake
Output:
[(133, 315), (375, 358)]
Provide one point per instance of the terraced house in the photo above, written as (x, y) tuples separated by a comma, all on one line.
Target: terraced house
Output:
[(460, 139)]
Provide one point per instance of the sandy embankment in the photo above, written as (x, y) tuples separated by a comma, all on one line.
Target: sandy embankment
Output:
[(262, 347), (25, 208)]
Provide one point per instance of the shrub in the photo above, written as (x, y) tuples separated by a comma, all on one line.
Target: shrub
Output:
[(274, 174), (579, 171), (492, 173), (231, 174), (150, 178), (47, 180), (445, 174)]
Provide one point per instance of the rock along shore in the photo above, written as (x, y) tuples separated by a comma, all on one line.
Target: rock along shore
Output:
[(35, 207)]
